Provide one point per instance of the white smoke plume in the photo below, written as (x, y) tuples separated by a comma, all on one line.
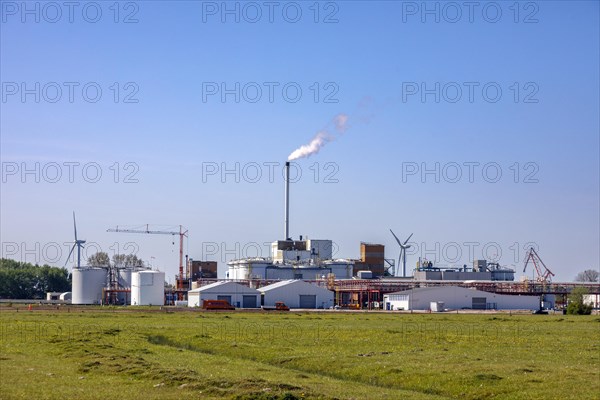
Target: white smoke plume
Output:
[(340, 123)]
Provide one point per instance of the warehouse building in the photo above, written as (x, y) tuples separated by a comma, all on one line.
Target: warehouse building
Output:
[(297, 294), (456, 298), (237, 295)]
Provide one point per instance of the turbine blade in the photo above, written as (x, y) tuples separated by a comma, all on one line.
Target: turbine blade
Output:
[(408, 239), (396, 237), (71, 252), (74, 226)]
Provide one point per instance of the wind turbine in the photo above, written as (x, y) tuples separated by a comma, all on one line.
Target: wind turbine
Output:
[(78, 243), (402, 256)]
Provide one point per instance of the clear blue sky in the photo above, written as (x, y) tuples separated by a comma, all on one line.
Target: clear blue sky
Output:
[(370, 62)]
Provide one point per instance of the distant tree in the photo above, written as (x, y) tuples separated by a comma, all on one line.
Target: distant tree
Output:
[(576, 304), (589, 275), (19, 280), (99, 259), (127, 261)]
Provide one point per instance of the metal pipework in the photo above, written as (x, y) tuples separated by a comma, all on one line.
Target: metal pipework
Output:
[(287, 201)]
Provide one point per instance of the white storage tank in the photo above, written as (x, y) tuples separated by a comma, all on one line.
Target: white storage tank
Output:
[(87, 285), (147, 288), (124, 281)]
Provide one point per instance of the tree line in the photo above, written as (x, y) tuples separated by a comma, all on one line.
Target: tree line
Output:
[(22, 280)]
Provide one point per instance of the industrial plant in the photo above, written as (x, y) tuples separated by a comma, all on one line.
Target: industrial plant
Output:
[(302, 273)]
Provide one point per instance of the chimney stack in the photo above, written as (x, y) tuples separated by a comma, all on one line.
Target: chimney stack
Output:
[(287, 201)]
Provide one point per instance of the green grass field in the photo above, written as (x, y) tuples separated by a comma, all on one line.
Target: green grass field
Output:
[(102, 353)]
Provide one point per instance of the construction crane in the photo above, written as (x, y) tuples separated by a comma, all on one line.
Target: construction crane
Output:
[(182, 232), (543, 275)]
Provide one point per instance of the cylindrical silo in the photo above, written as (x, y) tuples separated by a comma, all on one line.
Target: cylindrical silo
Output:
[(147, 288), (87, 285), (124, 282)]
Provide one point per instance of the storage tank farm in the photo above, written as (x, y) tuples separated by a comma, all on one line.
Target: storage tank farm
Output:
[(90, 285), (115, 283)]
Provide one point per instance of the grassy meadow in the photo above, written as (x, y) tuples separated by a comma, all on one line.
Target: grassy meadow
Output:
[(100, 353)]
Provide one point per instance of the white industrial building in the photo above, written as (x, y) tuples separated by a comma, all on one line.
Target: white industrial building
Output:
[(264, 269), (307, 259), (297, 294), (148, 288), (592, 299), (237, 295), (456, 298)]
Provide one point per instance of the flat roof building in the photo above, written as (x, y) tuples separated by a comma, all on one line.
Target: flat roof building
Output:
[(456, 298), (297, 294)]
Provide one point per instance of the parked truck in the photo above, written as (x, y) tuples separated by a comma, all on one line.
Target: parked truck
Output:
[(217, 305)]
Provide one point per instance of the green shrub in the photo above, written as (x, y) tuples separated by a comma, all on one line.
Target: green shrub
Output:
[(576, 304), (579, 308)]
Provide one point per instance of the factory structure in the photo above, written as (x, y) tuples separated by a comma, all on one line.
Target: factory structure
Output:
[(292, 259), (304, 274), (356, 283)]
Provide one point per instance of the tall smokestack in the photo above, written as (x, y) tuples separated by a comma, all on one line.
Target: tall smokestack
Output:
[(287, 200)]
